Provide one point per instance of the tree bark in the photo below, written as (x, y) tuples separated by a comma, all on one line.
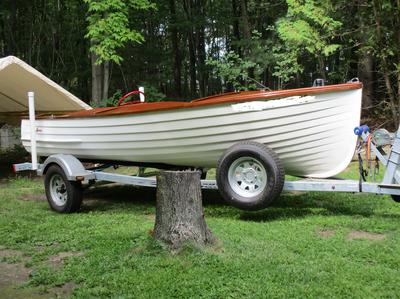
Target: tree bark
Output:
[(187, 5), (246, 33), (96, 78), (236, 29), (200, 12), (397, 25), (245, 20), (365, 59), (384, 66), (365, 73), (179, 210), (177, 68), (106, 79)]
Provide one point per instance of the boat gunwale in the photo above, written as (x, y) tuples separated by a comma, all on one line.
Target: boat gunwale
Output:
[(227, 98)]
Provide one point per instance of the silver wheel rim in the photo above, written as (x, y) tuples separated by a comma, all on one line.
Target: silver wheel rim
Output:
[(247, 177), (58, 190)]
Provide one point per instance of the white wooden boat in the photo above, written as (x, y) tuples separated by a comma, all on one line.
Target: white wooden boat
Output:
[(311, 129)]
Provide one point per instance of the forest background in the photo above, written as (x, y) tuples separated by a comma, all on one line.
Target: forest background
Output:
[(180, 50)]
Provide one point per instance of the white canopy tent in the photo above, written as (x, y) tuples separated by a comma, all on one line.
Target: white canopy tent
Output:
[(17, 78)]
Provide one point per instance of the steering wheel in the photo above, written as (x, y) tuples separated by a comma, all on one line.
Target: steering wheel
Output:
[(121, 100)]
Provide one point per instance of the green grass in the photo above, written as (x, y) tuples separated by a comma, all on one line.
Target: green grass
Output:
[(275, 253)]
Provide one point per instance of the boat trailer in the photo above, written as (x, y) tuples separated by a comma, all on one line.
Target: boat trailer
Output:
[(390, 185), (74, 171)]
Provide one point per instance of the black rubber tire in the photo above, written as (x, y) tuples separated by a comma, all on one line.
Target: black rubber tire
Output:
[(73, 189), (272, 164), (396, 198)]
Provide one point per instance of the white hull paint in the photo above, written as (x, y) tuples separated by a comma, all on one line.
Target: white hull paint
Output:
[(313, 135)]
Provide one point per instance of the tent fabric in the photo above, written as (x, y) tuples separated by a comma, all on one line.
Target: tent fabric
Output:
[(17, 78)]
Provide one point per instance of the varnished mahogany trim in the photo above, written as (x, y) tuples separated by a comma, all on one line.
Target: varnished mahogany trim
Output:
[(233, 97)]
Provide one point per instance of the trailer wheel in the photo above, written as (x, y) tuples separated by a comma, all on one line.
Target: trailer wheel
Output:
[(250, 175), (63, 196), (396, 198)]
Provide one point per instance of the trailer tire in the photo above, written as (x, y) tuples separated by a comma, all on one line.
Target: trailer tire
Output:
[(64, 196), (250, 175), (396, 198)]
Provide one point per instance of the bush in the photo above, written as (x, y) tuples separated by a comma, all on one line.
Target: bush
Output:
[(17, 154), (151, 93)]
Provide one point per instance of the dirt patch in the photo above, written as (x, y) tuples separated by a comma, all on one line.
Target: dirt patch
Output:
[(33, 197), (12, 268), (3, 183), (43, 246), (151, 217), (11, 292), (10, 254), (4, 252), (63, 291), (325, 233), (13, 273), (357, 234), (58, 259)]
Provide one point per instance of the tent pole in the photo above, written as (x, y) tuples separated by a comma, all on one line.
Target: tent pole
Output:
[(31, 97)]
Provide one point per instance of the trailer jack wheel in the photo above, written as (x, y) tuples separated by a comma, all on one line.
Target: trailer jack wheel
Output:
[(63, 196), (250, 175)]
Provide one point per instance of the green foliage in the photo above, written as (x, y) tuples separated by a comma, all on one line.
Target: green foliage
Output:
[(110, 102), (109, 28), (15, 155), (261, 54), (309, 26), (233, 69), (151, 95), (287, 65)]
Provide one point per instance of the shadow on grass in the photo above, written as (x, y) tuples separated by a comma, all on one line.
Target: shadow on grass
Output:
[(113, 196), (319, 204), (104, 197), (289, 205)]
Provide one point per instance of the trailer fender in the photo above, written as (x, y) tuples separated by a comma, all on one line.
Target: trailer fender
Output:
[(72, 167)]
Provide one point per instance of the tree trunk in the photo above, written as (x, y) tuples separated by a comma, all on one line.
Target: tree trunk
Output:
[(385, 68), (246, 34), (245, 20), (236, 30), (397, 25), (201, 57), (365, 73), (175, 50), (106, 79), (187, 5), (97, 78), (200, 12), (366, 59), (321, 66), (179, 210)]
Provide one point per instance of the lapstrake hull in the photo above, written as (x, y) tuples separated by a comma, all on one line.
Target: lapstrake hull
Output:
[(312, 132)]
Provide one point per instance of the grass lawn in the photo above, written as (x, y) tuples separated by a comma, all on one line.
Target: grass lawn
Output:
[(311, 245)]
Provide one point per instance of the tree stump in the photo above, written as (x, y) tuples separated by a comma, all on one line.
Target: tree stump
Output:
[(179, 210)]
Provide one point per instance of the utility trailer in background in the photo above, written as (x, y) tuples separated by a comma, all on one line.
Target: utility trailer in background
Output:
[(65, 174)]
